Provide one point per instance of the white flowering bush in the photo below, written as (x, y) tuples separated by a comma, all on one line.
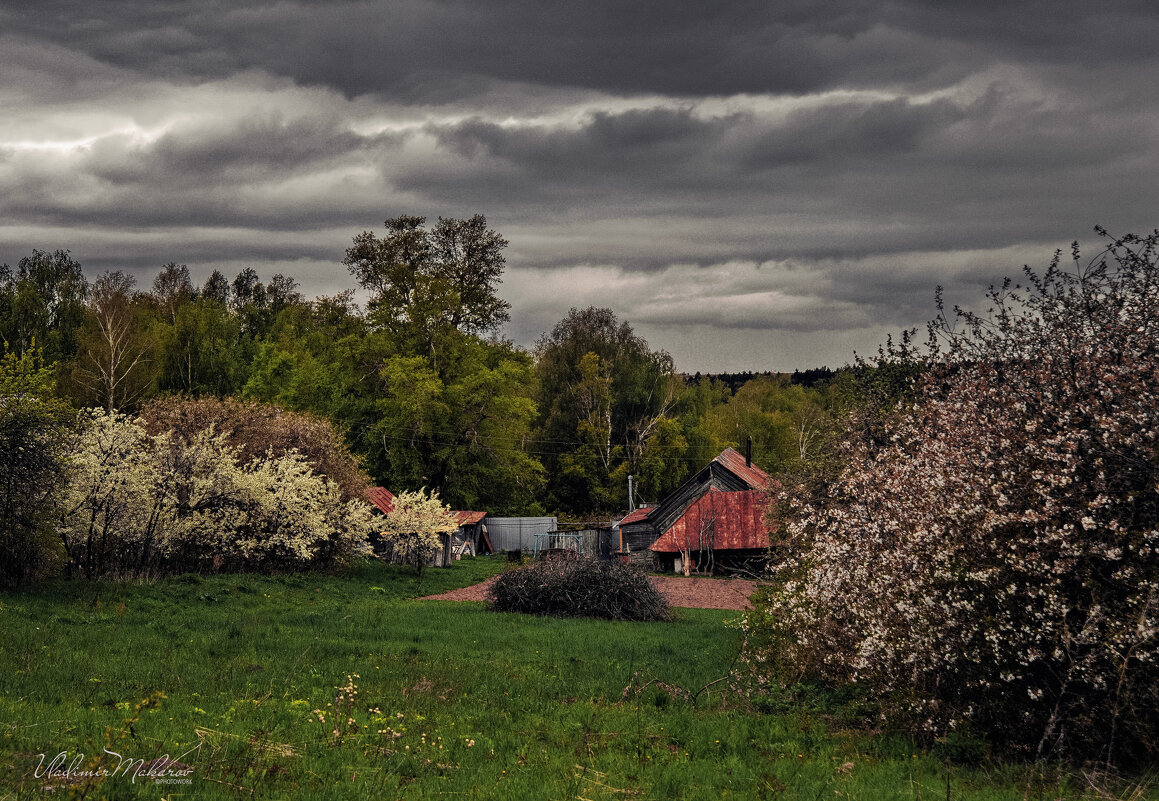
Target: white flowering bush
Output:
[(119, 502), (410, 533), (994, 566), (139, 505)]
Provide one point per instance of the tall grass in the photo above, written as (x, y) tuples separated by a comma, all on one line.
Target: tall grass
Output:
[(347, 688)]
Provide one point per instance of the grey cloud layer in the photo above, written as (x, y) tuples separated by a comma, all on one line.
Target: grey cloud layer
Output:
[(807, 168), (425, 48)]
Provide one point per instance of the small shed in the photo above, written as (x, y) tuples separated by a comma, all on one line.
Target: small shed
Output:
[(468, 538), (636, 532), (517, 533), (471, 537), (381, 499)]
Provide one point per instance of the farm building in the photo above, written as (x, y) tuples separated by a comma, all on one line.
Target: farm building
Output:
[(470, 537), (715, 520)]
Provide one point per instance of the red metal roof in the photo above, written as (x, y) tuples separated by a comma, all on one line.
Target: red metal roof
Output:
[(720, 521), (638, 515), (735, 463), (382, 498)]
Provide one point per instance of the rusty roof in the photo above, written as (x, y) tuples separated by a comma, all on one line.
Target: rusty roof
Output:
[(638, 515), (735, 463), (720, 521), (381, 498)]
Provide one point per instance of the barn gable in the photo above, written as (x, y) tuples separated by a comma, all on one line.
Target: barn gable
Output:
[(728, 474), (719, 520)]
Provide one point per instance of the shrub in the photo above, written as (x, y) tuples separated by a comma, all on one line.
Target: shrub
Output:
[(256, 429), (33, 430), (581, 587), (120, 499), (992, 563), (142, 505)]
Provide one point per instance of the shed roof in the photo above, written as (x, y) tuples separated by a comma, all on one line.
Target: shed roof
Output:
[(720, 521), (749, 473), (637, 515), (381, 498)]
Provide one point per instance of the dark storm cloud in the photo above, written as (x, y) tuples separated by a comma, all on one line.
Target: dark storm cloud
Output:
[(802, 171), (419, 49), (672, 146), (855, 177)]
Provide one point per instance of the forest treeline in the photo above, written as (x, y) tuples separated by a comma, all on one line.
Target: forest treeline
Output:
[(418, 380)]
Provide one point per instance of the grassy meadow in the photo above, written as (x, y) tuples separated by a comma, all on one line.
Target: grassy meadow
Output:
[(344, 687)]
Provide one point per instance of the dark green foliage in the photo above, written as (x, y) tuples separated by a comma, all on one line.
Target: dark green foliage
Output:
[(202, 351), (603, 394), (42, 304), (580, 587), (435, 404), (33, 425), (424, 281), (418, 382)]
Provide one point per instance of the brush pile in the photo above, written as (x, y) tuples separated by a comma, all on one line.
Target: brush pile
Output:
[(581, 587)]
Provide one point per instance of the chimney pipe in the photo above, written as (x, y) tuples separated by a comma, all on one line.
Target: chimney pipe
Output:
[(631, 498), (748, 452)]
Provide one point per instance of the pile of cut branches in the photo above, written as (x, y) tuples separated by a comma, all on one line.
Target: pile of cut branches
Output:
[(582, 587)]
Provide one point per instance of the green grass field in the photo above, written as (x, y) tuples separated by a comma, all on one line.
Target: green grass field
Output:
[(239, 678)]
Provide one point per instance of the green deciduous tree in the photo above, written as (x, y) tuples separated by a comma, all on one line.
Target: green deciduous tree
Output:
[(451, 410), (33, 428), (425, 281), (203, 351), (42, 304), (602, 394)]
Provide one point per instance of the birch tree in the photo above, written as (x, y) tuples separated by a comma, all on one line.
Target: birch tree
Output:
[(116, 354)]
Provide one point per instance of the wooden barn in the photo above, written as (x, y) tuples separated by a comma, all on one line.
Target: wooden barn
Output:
[(469, 538), (714, 521)]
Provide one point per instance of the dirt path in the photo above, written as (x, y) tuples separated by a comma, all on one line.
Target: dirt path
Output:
[(697, 593)]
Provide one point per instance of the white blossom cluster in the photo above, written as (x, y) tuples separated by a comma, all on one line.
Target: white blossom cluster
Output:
[(139, 505), (995, 565), (411, 530)]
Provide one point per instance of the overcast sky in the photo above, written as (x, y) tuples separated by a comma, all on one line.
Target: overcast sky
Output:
[(753, 185)]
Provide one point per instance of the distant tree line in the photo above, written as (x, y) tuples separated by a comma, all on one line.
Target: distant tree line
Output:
[(418, 382), (808, 378)]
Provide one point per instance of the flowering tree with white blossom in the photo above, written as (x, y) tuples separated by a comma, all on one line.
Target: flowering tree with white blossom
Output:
[(412, 530), (994, 565), (139, 504)]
